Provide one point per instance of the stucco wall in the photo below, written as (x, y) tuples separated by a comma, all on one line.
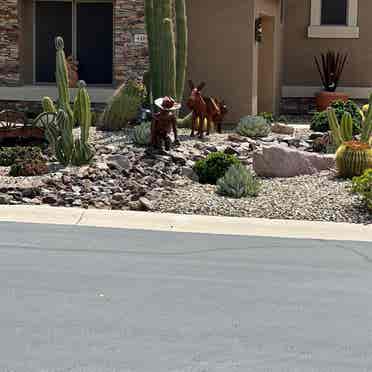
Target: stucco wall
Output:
[(299, 50), (221, 39)]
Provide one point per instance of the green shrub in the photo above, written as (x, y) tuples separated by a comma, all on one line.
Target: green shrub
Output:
[(363, 186), (238, 182), (214, 166), (28, 168), (253, 126), (11, 155), (319, 122), (142, 134), (268, 116)]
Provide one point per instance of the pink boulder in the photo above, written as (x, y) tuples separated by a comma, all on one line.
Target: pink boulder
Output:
[(280, 161)]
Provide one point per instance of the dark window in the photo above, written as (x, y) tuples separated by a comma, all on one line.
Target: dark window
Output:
[(92, 36), (334, 12), (52, 18), (94, 44)]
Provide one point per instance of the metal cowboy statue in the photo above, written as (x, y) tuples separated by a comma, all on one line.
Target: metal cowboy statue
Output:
[(163, 123)]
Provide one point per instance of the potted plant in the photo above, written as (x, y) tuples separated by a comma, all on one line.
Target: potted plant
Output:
[(330, 66)]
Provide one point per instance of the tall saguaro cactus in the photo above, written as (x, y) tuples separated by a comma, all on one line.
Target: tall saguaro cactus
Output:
[(168, 53)]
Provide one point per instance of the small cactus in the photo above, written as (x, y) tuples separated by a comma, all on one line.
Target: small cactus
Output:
[(142, 134), (123, 106), (48, 105)]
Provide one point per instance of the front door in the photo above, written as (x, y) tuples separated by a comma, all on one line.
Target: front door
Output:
[(87, 30), (94, 44)]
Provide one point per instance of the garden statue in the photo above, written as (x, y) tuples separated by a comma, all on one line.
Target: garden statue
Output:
[(163, 123), (219, 116), (72, 70), (203, 109)]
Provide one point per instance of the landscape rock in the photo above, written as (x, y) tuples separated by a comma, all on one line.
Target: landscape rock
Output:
[(5, 198), (281, 128), (279, 161)]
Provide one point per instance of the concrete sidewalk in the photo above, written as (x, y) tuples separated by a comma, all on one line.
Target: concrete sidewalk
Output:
[(187, 223)]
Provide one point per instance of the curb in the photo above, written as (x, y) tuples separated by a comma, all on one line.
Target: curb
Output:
[(186, 223)]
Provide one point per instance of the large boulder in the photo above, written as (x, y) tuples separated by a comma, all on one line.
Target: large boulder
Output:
[(280, 161)]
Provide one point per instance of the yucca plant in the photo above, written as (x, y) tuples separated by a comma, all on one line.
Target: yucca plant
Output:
[(330, 66)]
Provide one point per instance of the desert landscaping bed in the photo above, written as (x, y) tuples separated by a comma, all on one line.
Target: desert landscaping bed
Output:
[(123, 176)]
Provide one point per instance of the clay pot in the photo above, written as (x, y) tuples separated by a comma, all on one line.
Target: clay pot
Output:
[(325, 99)]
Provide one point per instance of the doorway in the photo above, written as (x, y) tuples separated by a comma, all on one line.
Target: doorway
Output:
[(87, 29), (266, 67)]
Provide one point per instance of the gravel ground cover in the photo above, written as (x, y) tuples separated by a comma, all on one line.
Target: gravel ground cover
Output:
[(124, 177)]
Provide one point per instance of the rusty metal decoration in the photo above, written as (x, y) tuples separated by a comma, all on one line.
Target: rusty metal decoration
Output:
[(203, 109), (13, 125), (163, 123)]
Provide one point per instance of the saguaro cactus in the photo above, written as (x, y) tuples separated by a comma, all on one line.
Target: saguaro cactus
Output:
[(165, 48)]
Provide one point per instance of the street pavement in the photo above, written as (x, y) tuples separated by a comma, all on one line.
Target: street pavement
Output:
[(97, 299)]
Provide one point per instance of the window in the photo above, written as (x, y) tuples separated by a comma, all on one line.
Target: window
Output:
[(334, 12), (334, 19), (86, 27)]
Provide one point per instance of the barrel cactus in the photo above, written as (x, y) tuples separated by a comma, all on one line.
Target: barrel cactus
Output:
[(142, 134), (353, 158), (253, 126), (123, 106)]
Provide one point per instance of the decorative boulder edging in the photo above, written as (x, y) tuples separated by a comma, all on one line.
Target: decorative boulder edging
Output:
[(280, 161)]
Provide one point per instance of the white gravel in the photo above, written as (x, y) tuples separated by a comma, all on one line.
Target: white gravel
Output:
[(319, 197)]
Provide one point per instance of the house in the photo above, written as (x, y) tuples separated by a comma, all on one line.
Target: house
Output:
[(108, 39)]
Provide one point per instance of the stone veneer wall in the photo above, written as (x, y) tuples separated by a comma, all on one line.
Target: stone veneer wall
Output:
[(10, 21), (130, 58)]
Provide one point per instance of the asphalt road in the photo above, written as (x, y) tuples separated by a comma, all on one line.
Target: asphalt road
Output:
[(86, 299)]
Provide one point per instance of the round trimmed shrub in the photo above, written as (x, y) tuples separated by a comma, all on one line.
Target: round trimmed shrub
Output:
[(214, 166), (319, 122)]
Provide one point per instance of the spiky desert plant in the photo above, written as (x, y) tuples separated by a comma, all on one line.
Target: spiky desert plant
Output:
[(83, 151), (48, 105), (366, 131), (363, 186), (353, 158), (169, 59), (253, 126), (238, 182), (123, 106), (330, 66), (340, 132), (82, 110), (159, 36), (64, 147), (62, 80), (142, 134)]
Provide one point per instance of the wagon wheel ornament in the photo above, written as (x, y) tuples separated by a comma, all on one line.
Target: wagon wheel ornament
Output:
[(11, 119), (45, 119)]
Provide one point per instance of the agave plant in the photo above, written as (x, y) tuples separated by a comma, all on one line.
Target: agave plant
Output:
[(330, 66)]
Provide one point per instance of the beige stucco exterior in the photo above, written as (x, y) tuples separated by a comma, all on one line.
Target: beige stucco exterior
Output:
[(223, 53), (299, 50)]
